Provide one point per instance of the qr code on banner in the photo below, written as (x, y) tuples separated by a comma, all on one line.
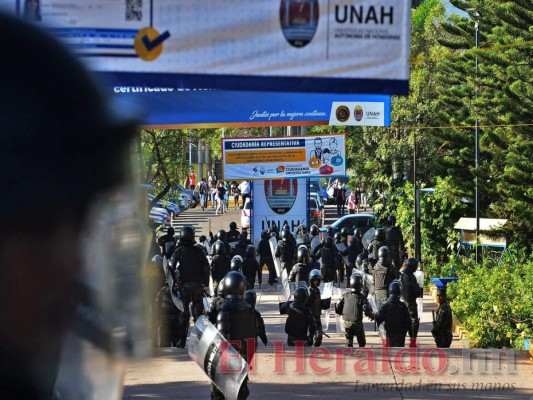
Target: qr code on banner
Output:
[(134, 10)]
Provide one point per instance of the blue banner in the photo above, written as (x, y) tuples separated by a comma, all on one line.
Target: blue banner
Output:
[(168, 105)]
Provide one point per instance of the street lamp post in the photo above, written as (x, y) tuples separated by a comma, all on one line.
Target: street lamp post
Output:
[(476, 16)]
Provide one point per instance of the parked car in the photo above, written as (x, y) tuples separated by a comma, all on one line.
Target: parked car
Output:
[(361, 221), (245, 214), (192, 193), (157, 214), (315, 186)]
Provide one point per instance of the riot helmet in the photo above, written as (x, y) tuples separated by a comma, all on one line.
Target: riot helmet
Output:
[(344, 232), (410, 266), (314, 230), (285, 234), (379, 234), (220, 288), (314, 275), (328, 242), (202, 238), (222, 235), (219, 248), (250, 297), (170, 231), (250, 251), (232, 225), (360, 259), (234, 285), (301, 295), (241, 237), (383, 254), (187, 234), (356, 282), (395, 288), (236, 263), (331, 231), (391, 220), (302, 254), (357, 233), (338, 237), (264, 235)]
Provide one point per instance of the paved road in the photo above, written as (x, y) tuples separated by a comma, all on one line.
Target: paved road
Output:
[(333, 373)]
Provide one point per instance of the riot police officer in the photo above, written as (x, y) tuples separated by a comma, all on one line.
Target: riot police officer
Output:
[(168, 318), (233, 232), (355, 247), (374, 246), (329, 260), (300, 324), (442, 325), (265, 257), (410, 292), (250, 268), (192, 267), (241, 246), (167, 243), (222, 236), (300, 270), (236, 321), (251, 298), (315, 237), (286, 250), (316, 305), (352, 306), (396, 316), (394, 238), (383, 275), (220, 264)]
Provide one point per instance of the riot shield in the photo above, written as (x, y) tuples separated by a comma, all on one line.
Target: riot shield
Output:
[(273, 243), (325, 320), (285, 284), (220, 361), (420, 306), (315, 241), (367, 237), (341, 247), (175, 296), (373, 304), (339, 323), (368, 282), (207, 302), (326, 289)]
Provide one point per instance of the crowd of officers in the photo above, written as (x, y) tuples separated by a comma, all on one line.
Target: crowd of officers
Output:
[(389, 297)]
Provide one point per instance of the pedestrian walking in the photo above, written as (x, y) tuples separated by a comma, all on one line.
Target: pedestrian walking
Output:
[(220, 195)]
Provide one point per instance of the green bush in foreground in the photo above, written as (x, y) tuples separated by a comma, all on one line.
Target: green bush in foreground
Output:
[(495, 302)]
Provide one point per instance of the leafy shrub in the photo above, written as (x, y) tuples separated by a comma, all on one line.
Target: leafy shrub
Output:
[(495, 302)]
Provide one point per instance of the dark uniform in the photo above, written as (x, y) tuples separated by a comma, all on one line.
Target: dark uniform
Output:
[(383, 276), (394, 238), (410, 292), (352, 306), (300, 271), (265, 257), (396, 316), (286, 250), (155, 280), (233, 232), (328, 254), (236, 321), (316, 305), (300, 324), (220, 266), (168, 319), (374, 246), (193, 269), (167, 243), (250, 297), (241, 246), (442, 326), (251, 269)]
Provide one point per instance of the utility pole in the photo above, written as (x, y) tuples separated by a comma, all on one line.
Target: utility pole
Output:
[(476, 16)]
